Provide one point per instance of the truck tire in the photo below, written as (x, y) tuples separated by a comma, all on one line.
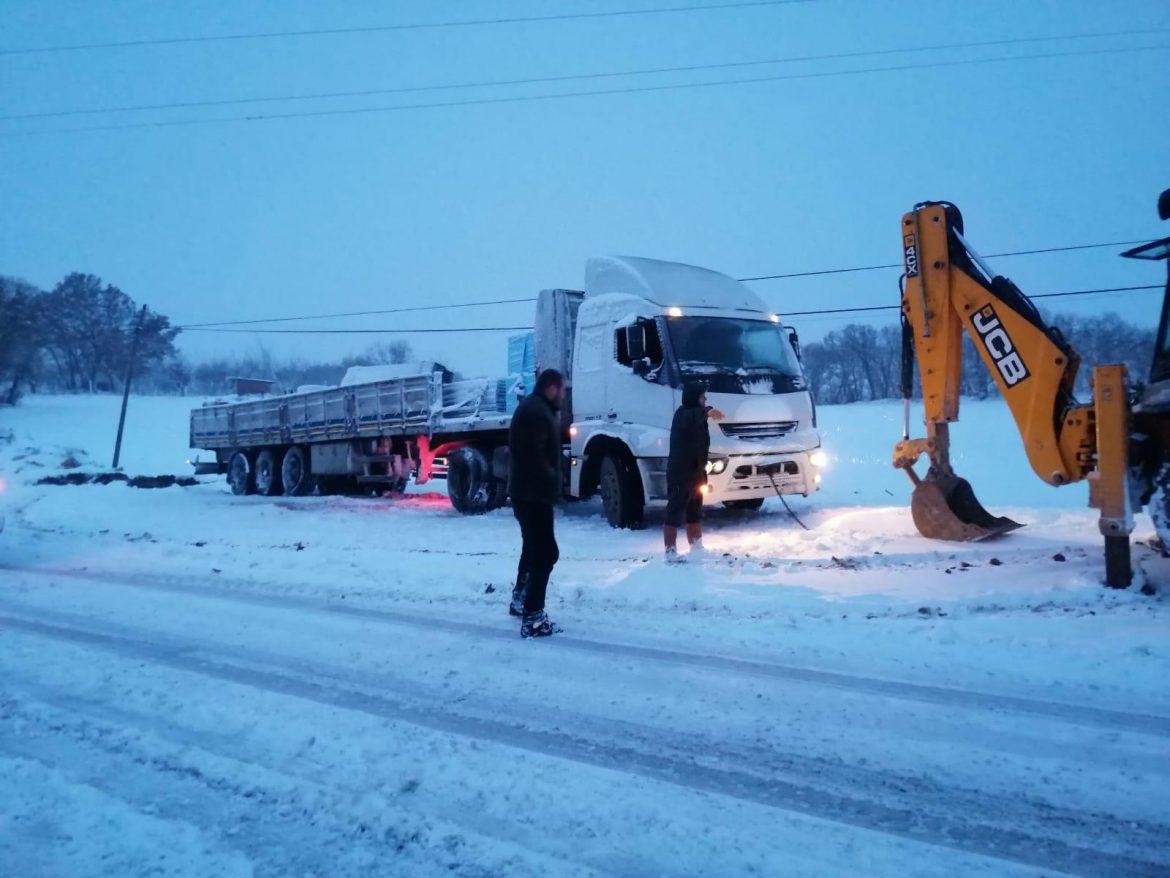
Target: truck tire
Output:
[(268, 480), (745, 505), (620, 494), (469, 481), (240, 474), (294, 472)]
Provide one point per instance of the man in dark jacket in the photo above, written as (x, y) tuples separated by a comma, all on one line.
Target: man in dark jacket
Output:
[(686, 470), (534, 484)]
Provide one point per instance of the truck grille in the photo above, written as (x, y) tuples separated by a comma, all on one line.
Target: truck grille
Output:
[(759, 430)]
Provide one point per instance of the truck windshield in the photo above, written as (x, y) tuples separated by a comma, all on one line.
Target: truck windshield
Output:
[(735, 356)]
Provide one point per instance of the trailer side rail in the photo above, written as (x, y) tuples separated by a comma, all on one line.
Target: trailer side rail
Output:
[(423, 404)]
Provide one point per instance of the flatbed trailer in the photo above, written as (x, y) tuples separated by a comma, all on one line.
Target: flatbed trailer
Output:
[(336, 440)]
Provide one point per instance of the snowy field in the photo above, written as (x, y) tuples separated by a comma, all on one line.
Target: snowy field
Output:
[(198, 684)]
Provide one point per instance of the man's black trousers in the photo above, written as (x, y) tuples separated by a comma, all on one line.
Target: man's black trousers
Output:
[(539, 552)]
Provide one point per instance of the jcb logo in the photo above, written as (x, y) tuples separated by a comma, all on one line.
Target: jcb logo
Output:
[(999, 346), (910, 250)]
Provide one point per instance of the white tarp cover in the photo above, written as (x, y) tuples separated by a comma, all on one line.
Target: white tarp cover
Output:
[(387, 372), (668, 283)]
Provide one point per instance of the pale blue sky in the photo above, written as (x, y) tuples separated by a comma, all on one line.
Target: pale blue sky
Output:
[(257, 219)]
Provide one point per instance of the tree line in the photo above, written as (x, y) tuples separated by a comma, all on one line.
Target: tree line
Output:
[(860, 362), (75, 337)]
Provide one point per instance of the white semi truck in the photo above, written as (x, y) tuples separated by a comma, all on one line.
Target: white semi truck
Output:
[(628, 343)]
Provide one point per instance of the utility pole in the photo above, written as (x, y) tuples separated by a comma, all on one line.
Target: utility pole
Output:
[(126, 389)]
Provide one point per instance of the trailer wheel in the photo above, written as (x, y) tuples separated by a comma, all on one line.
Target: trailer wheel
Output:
[(745, 505), (294, 472), (267, 473), (620, 494), (469, 481), (240, 475)]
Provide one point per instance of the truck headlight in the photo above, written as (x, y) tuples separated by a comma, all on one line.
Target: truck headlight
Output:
[(819, 459), (716, 466)]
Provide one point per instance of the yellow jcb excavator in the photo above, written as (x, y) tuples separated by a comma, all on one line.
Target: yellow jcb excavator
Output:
[(1120, 441)]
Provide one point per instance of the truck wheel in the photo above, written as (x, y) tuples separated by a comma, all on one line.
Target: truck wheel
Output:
[(619, 494), (469, 481), (240, 474), (745, 505), (267, 473), (294, 472)]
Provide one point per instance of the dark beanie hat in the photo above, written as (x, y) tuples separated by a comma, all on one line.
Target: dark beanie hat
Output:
[(691, 392)]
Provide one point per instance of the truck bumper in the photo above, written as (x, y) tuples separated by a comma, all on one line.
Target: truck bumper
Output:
[(742, 479)]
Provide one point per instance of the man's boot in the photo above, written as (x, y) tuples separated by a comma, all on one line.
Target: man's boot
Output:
[(537, 624)]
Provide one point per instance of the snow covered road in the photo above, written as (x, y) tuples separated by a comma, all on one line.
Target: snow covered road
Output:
[(197, 684), (997, 778)]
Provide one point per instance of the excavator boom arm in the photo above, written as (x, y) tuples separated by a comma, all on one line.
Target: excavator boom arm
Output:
[(949, 291)]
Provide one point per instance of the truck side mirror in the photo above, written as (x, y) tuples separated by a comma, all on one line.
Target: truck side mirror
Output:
[(794, 340), (641, 367)]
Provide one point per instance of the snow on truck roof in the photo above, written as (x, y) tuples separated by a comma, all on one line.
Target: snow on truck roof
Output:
[(669, 283)]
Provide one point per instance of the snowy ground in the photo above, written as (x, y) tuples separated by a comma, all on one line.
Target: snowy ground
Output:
[(198, 684)]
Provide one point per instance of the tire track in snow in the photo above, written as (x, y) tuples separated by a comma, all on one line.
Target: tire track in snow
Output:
[(286, 823), (1076, 714), (964, 831), (900, 790)]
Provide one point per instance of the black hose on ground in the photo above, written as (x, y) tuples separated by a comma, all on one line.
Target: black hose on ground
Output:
[(795, 517)]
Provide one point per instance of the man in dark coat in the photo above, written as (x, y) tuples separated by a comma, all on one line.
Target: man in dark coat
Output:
[(686, 470), (534, 484)]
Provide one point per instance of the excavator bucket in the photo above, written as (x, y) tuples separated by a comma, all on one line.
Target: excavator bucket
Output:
[(945, 508)]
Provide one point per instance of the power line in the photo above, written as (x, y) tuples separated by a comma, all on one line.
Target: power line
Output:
[(528, 299), (365, 331), (468, 329), (690, 68), (1096, 292), (899, 264), (434, 25), (363, 313), (552, 96)]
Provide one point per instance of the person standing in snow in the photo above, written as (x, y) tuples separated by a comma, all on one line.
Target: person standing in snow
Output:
[(534, 484), (686, 470)]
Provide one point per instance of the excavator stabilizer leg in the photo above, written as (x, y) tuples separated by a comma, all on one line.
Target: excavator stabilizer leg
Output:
[(946, 508)]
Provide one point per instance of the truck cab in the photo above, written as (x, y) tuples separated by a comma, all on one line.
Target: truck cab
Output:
[(641, 329)]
